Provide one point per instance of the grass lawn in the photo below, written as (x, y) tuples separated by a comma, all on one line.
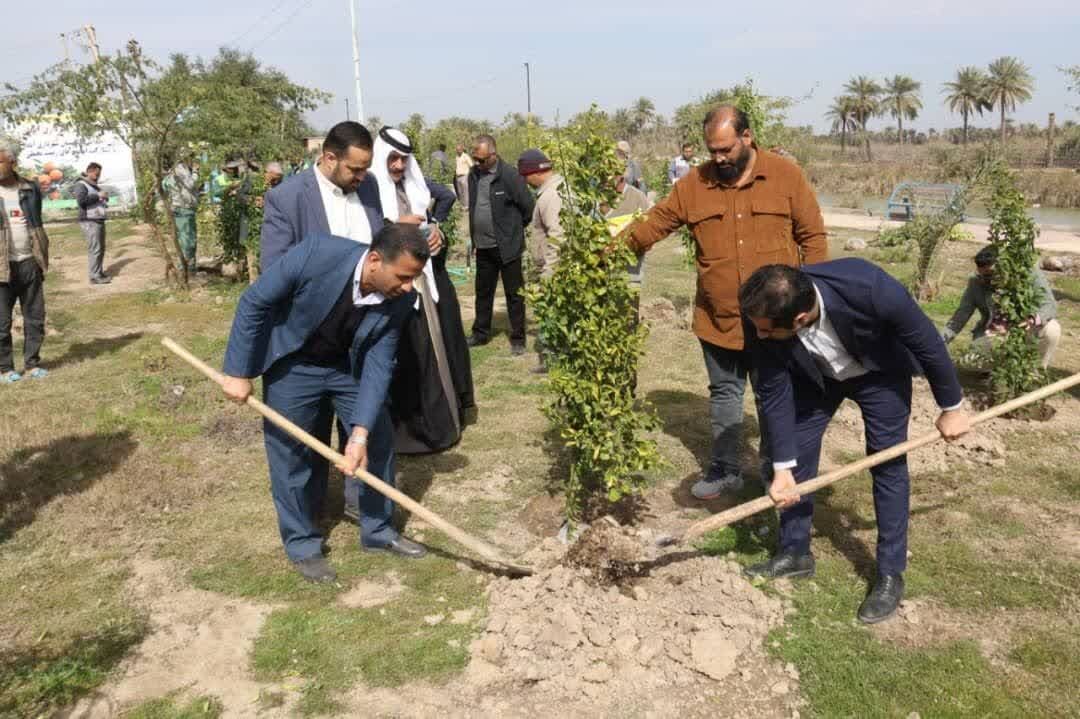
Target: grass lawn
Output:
[(124, 456)]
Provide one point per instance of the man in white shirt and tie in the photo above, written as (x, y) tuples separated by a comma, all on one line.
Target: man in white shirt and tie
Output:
[(821, 334)]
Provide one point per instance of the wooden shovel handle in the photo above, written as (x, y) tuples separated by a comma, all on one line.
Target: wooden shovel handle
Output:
[(760, 504), (481, 548)]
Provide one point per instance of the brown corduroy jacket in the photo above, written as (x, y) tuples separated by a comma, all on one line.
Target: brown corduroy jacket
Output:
[(772, 218)]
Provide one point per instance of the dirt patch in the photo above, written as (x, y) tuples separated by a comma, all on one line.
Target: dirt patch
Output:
[(610, 553), (660, 644), (922, 623), (199, 643), (133, 262), (543, 514), (235, 429), (366, 593), (661, 310)]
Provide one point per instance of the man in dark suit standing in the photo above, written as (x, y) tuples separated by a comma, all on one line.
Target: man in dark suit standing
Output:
[(321, 327), (500, 206), (828, 332)]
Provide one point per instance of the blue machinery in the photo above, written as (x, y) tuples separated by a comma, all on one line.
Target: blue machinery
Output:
[(920, 198)]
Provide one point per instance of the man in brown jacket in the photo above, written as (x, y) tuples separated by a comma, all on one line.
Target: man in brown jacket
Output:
[(24, 259), (746, 208)]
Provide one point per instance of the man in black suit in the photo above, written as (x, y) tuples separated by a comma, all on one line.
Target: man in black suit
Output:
[(828, 332)]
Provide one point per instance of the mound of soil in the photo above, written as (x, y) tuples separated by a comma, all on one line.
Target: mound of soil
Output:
[(680, 629)]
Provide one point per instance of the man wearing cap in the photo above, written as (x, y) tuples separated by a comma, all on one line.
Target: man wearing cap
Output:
[(545, 231), (634, 177), (500, 206), (746, 208)]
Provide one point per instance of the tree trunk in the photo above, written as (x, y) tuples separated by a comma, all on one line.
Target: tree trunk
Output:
[(843, 139), (182, 275), (1003, 124), (900, 129), (965, 115)]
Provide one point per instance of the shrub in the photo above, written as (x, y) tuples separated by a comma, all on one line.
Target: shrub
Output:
[(586, 312)]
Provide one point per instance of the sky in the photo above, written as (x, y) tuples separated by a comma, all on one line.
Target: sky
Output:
[(444, 58)]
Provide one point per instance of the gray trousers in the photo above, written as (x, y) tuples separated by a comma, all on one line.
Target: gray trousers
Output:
[(728, 371), (94, 232)]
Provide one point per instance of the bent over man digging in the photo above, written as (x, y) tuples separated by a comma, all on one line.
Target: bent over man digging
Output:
[(843, 330), (321, 327)]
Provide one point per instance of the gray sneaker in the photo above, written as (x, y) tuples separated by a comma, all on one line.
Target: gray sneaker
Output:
[(710, 488)]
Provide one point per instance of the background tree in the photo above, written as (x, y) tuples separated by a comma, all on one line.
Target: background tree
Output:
[(967, 95), (901, 98), (642, 115), (247, 110), (865, 96), (1007, 84), (228, 106), (842, 114), (1072, 80)]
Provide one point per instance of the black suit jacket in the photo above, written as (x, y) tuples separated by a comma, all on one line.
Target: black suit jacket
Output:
[(511, 209)]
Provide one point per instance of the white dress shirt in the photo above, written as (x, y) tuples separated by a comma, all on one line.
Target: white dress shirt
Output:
[(824, 345), (344, 212), (359, 299)]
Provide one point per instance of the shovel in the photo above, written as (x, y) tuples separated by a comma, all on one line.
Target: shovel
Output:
[(760, 504), (488, 553)]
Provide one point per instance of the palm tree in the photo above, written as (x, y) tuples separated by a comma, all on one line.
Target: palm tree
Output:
[(1009, 83), (642, 114), (967, 94), (902, 100), (842, 114), (865, 94)]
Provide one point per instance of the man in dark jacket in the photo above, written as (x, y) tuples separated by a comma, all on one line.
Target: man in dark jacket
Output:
[(92, 202), (500, 206), (828, 332)]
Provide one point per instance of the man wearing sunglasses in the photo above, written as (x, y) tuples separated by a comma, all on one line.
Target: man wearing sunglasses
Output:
[(500, 206)]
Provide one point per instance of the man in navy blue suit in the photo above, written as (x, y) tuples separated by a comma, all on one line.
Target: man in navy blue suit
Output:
[(832, 331), (321, 327)]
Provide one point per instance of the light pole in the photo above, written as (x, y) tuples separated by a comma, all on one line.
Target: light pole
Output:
[(528, 92), (356, 63)]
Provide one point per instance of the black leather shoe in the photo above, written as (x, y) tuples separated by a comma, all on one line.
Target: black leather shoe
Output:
[(517, 349), (401, 547), (316, 569), (101, 280), (783, 565), (475, 341), (883, 600)]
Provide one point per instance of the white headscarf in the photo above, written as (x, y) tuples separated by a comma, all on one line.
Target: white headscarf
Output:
[(391, 140)]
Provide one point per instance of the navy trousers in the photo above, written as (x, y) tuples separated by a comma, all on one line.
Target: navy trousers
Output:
[(310, 395), (885, 402)]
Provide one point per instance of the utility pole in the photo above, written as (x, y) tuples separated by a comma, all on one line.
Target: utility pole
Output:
[(346, 108), (91, 41), (356, 63), (528, 92), (1050, 141), (67, 51)]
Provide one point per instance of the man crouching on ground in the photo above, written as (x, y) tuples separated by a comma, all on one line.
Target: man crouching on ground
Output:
[(321, 327), (828, 332)]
